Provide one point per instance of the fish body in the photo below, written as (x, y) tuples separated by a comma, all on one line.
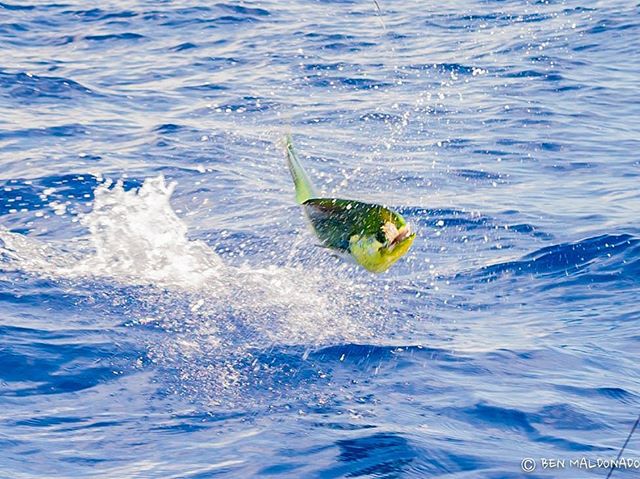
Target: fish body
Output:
[(374, 235)]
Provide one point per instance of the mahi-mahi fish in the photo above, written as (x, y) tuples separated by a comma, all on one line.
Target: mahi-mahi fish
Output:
[(374, 235)]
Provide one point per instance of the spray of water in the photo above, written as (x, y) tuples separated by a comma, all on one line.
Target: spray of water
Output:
[(215, 318), (137, 237)]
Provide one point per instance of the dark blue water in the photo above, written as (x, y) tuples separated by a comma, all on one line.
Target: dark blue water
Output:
[(182, 323)]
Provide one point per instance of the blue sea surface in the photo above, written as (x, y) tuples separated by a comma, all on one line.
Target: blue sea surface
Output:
[(165, 312)]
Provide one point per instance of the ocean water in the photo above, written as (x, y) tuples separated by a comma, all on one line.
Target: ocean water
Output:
[(166, 313)]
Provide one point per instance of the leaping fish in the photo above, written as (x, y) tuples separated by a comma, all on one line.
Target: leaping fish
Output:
[(374, 235)]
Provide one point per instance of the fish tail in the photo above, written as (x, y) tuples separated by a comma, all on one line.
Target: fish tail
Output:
[(304, 187)]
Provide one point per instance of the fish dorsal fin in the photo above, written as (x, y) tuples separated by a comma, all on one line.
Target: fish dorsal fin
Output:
[(304, 187)]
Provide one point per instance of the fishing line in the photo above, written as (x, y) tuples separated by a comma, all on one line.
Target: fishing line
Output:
[(379, 13), (624, 446)]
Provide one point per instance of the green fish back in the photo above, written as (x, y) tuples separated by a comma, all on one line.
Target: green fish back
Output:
[(337, 220)]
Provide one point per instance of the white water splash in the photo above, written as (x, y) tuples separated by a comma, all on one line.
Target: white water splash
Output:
[(212, 321), (136, 238)]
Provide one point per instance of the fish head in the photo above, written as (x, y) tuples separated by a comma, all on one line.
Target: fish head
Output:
[(378, 256)]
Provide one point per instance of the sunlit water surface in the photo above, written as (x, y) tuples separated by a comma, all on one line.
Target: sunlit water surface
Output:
[(166, 313)]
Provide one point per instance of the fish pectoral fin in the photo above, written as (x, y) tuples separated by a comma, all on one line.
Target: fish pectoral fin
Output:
[(390, 231), (394, 235)]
